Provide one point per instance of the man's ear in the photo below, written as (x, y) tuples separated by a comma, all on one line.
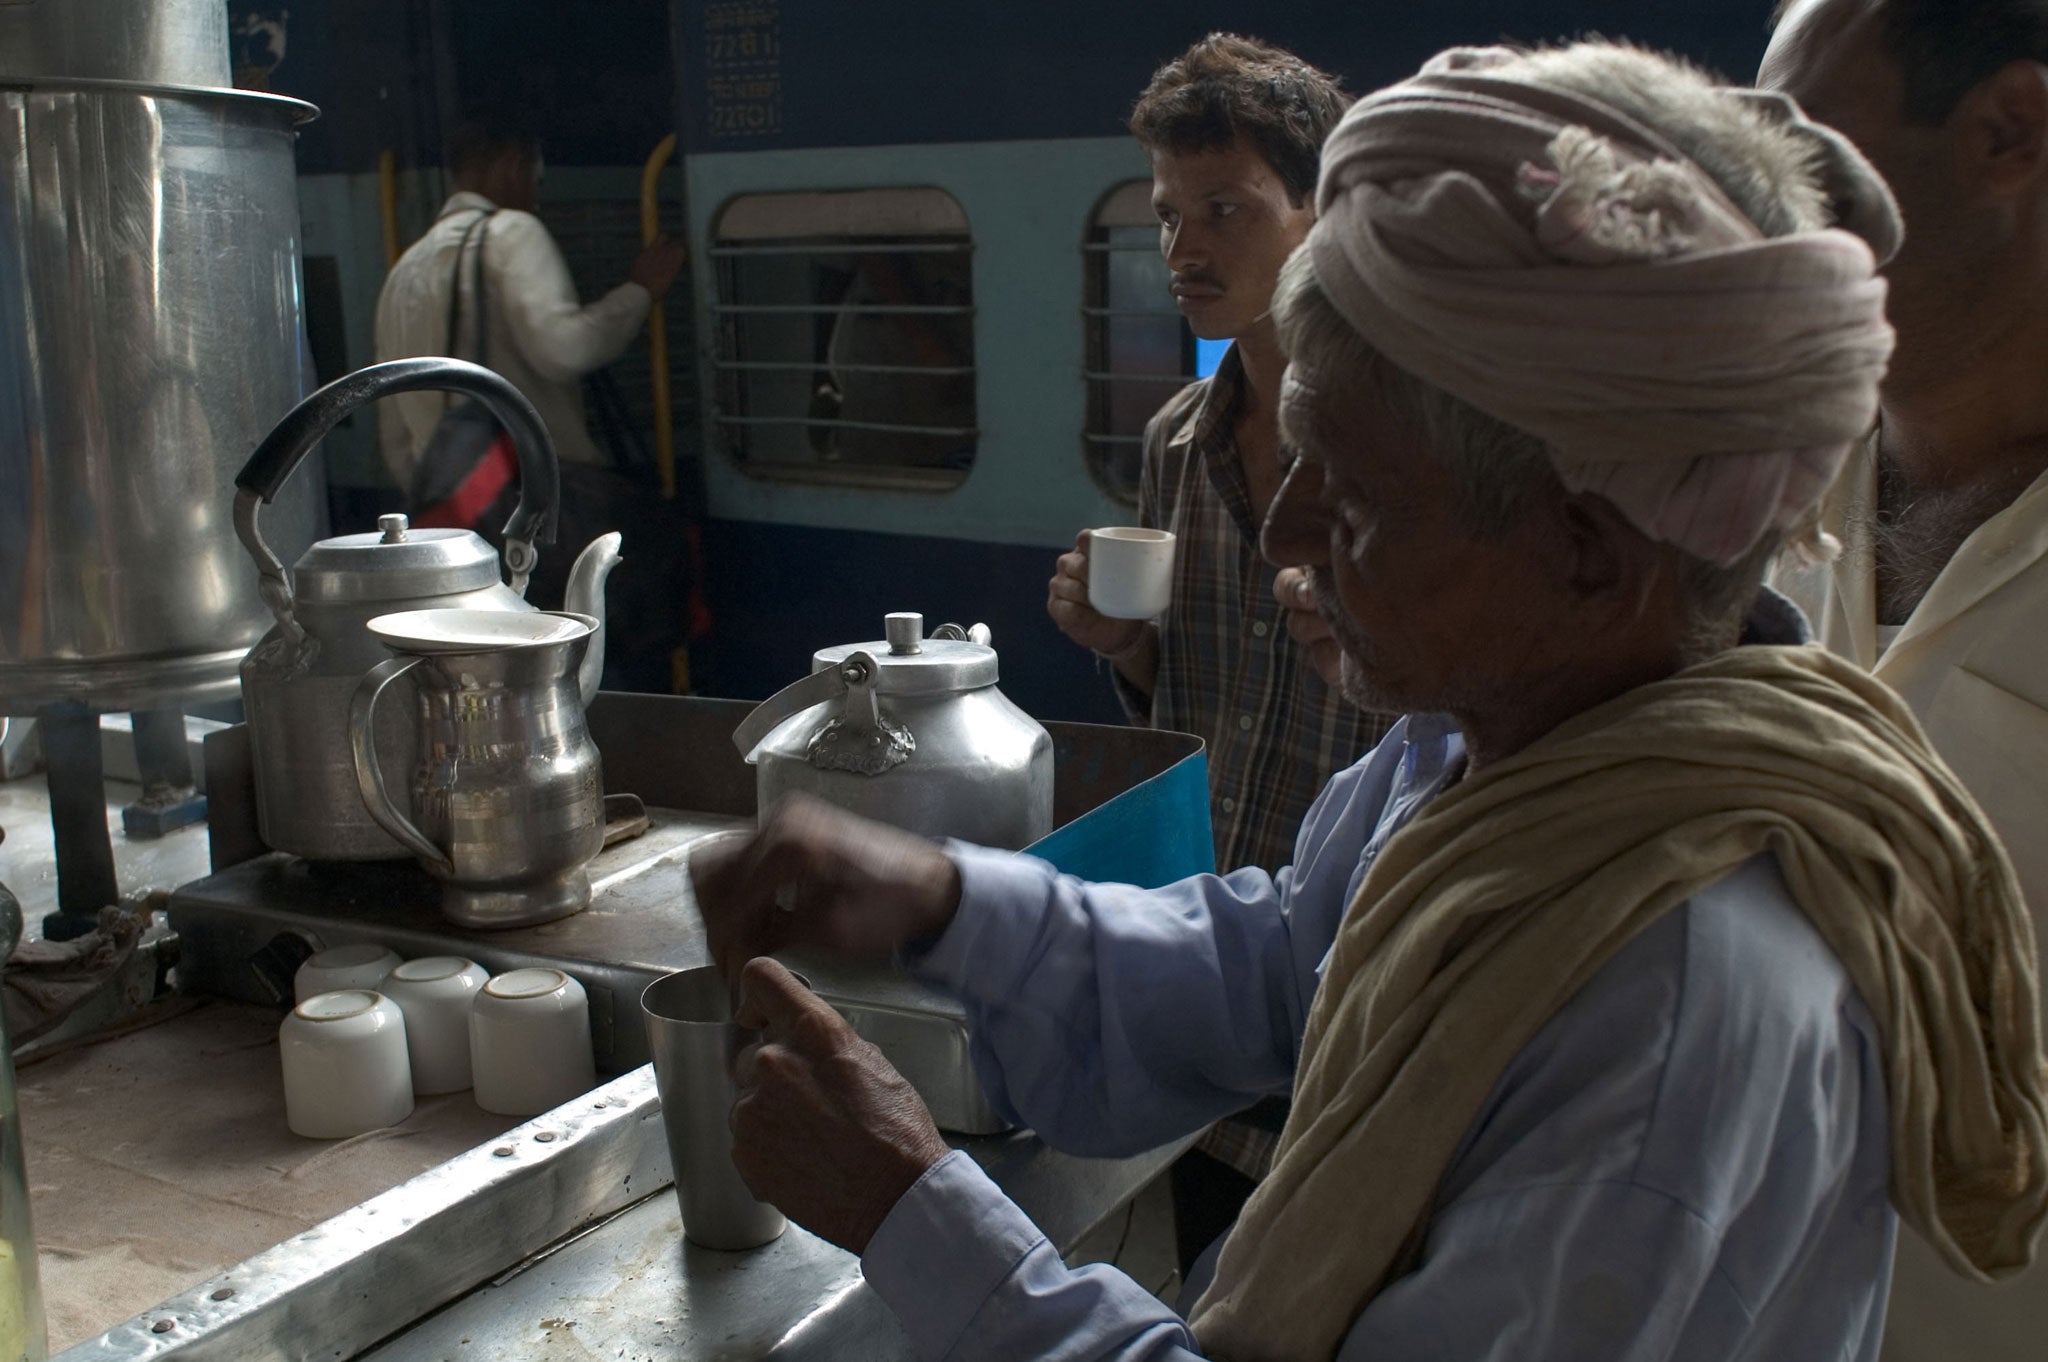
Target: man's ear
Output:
[(1608, 561), (2002, 127)]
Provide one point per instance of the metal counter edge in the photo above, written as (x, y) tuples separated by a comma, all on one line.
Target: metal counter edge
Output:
[(340, 1287)]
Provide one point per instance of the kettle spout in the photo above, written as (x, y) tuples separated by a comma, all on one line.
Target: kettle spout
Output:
[(585, 596)]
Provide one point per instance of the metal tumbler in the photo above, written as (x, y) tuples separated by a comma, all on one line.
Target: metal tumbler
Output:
[(694, 1039)]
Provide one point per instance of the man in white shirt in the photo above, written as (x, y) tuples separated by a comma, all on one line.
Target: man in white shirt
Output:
[(538, 334), (1942, 588)]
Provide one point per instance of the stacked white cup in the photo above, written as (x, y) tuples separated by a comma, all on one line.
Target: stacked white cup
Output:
[(370, 1032)]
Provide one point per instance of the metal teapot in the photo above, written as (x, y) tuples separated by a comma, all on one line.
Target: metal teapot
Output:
[(507, 800), (910, 731), (297, 680)]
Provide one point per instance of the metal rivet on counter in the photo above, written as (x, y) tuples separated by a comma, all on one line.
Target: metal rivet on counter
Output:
[(163, 1326), (226, 1293), (546, 1137), (503, 1151)]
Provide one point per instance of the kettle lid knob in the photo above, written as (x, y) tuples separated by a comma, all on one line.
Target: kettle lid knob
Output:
[(904, 630), (394, 527)]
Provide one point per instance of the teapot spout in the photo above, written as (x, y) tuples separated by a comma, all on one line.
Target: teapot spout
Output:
[(585, 596)]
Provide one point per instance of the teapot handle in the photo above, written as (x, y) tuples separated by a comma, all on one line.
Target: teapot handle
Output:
[(280, 453), (798, 696), (362, 742)]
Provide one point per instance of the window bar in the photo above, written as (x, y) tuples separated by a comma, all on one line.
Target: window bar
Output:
[(802, 366), (1173, 312), (1128, 376), (828, 309), (848, 245), (836, 423)]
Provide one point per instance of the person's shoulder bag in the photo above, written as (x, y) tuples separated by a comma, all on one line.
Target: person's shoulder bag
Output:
[(469, 465)]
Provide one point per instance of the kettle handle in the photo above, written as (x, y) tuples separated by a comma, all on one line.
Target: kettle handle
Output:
[(280, 453), (362, 743), (798, 696)]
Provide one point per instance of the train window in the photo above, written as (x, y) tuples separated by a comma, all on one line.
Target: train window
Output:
[(844, 339), (1138, 349)]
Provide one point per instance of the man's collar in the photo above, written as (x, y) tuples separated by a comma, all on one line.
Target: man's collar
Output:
[(1221, 393), (1774, 620), (465, 200)]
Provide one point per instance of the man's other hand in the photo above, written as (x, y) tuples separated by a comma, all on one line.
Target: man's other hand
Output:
[(1066, 600), (815, 875), (1296, 595), (824, 1128), (657, 266)]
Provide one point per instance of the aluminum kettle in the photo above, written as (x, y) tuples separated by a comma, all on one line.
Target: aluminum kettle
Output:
[(297, 680), (910, 731)]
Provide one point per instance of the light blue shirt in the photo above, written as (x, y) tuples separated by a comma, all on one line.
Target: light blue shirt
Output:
[(1689, 1161)]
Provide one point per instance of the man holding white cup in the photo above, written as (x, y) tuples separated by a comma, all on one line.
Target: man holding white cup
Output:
[(1183, 605), (1234, 130)]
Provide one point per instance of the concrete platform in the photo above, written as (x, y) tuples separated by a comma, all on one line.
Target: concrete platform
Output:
[(28, 858)]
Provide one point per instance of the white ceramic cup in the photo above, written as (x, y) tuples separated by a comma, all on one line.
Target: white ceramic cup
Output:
[(529, 1042), (1130, 572), (345, 1069), (435, 994), (362, 964)]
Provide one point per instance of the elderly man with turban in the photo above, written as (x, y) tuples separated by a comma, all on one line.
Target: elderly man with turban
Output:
[(1649, 974)]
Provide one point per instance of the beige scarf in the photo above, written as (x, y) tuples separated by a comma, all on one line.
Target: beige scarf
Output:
[(1510, 891)]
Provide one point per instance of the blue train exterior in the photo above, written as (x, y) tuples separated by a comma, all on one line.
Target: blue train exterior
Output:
[(1014, 110)]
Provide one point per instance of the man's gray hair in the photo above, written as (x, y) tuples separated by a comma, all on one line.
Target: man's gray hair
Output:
[(1768, 170)]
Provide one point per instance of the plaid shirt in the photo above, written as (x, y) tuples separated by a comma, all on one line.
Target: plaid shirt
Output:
[(1228, 672)]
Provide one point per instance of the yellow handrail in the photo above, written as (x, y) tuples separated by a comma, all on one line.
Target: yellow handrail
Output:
[(387, 200), (657, 319)]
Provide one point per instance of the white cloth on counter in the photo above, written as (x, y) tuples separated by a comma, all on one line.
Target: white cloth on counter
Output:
[(541, 337), (1972, 661)]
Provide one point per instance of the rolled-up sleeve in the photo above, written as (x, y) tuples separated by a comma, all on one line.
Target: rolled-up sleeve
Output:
[(558, 336)]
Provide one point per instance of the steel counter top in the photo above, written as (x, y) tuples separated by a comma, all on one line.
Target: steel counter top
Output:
[(564, 1233), (634, 1288)]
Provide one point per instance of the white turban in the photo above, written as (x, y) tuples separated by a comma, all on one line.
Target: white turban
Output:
[(1558, 265)]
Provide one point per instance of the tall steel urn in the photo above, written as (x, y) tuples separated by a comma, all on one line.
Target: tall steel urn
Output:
[(149, 336)]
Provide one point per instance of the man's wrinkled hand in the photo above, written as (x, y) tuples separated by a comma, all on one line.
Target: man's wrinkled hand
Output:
[(1293, 588), (1066, 600), (824, 1128), (815, 875)]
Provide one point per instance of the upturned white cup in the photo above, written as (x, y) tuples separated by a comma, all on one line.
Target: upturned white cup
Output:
[(345, 1068), (435, 994), (1130, 572), (362, 964), (529, 1042)]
